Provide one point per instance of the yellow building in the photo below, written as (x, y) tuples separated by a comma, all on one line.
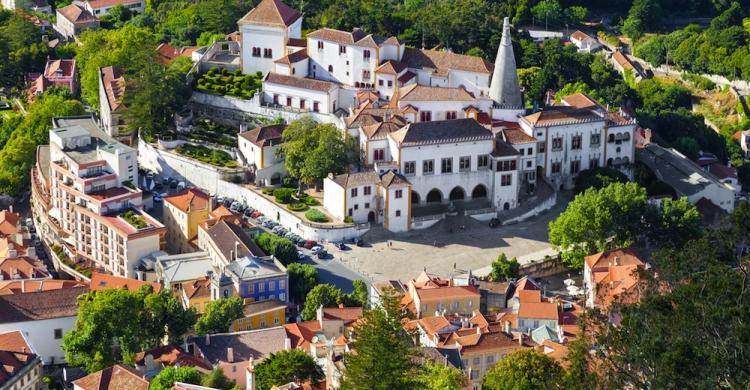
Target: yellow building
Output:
[(261, 314), (183, 212), (196, 294), (429, 295)]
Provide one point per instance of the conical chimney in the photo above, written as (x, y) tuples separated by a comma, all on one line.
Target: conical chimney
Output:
[(504, 89)]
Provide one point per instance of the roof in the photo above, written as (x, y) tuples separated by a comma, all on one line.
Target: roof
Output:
[(171, 355), (543, 333), (580, 100), (540, 310), (391, 67), (491, 341), (14, 341), (346, 314), (435, 132), (183, 267), (188, 200), (563, 115), (111, 3), (265, 135), (503, 149), (117, 377), (248, 268), (435, 324), (113, 79), (100, 281), (300, 82), (11, 287), (11, 363), (623, 60), (517, 136), (579, 35), (416, 92), (393, 179), (271, 12), (8, 222), (198, 288), (77, 14), (21, 268), (40, 305), (225, 235), (616, 256), (189, 386), (447, 356), (66, 68), (450, 292), (168, 52), (257, 344), (369, 115), (259, 307), (357, 37), (349, 180), (381, 130), (443, 61), (296, 42), (293, 58)]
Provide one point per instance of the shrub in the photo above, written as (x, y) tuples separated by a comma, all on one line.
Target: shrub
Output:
[(283, 195), (297, 206), (280, 247), (699, 81), (267, 190), (310, 201), (134, 219), (316, 215), (348, 219)]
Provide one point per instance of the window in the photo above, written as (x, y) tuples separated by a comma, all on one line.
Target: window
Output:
[(490, 359), (575, 166), (557, 143), (446, 165), (503, 166), (556, 166), (595, 139), (354, 192), (523, 151), (368, 190), (483, 161), (575, 142), (342, 49), (320, 45), (380, 82), (398, 213), (450, 115), (256, 52), (379, 155), (425, 116), (282, 284), (356, 207), (506, 180), (316, 107), (365, 75), (58, 334), (611, 138), (275, 99), (288, 101), (390, 83), (464, 164), (410, 168), (528, 164), (428, 167), (267, 53), (530, 151), (302, 103), (261, 287), (367, 205), (476, 361), (351, 212), (330, 68), (593, 163), (540, 147), (399, 194), (366, 55)]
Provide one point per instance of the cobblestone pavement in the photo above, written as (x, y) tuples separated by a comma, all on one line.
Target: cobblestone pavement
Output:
[(459, 242)]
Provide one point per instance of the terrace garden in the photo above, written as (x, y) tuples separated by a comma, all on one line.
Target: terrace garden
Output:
[(134, 219), (207, 155), (209, 131), (235, 84)]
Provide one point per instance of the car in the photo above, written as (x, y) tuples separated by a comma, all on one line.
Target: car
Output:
[(309, 244), (276, 229), (300, 255), (220, 200), (341, 246), (158, 198), (228, 202), (316, 249), (234, 207), (256, 214), (322, 254), (249, 211), (267, 224), (360, 242), (37, 243), (166, 180), (301, 243), (494, 222), (289, 236), (173, 184), (181, 186), (29, 222)]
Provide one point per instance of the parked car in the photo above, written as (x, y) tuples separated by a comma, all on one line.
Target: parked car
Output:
[(316, 249), (360, 242), (256, 215), (341, 246), (494, 222), (228, 202), (301, 255), (309, 244), (29, 222), (322, 254), (249, 211), (220, 200), (173, 184), (301, 243), (181, 186)]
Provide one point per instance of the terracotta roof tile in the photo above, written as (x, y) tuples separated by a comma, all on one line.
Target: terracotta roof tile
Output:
[(615, 256), (191, 199), (303, 83), (541, 310), (391, 67), (450, 292), (271, 12), (23, 268), (8, 222), (111, 3), (117, 377), (416, 92), (293, 58), (100, 281), (113, 79), (15, 342), (77, 14), (442, 61), (199, 288), (40, 305), (382, 129), (265, 135), (456, 130), (563, 115), (348, 180), (11, 363), (346, 314), (517, 136), (19, 287), (580, 100), (579, 35)]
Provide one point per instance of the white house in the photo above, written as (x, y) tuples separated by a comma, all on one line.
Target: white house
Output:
[(304, 94), (258, 146), (111, 105), (43, 317), (73, 19), (421, 103), (100, 8), (264, 34), (585, 42)]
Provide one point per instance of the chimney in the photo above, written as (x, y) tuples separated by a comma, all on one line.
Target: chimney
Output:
[(617, 260), (507, 327), (230, 355), (208, 339), (520, 338), (236, 250), (479, 330), (287, 344), (231, 255)]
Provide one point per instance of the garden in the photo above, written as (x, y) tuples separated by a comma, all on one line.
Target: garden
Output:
[(207, 155), (287, 195), (63, 257), (134, 219), (223, 82), (210, 131)]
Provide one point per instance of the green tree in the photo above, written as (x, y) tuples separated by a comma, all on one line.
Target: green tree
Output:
[(287, 366), (597, 178), (219, 315), (153, 95), (282, 248), (171, 374), (576, 14), (217, 380), (116, 16), (524, 369), (548, 11), (302, 279), (385, 358), (325, 295), (643, 15), (504, 269), (598, 220), (580, 373), (99, 329), (435, 376), (359, 296), (678, 222)]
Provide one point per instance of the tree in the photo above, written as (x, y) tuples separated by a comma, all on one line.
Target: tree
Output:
[(325, 295), (580, 373), (435, 376), (678, 222), (548, 11), (524, 369), (302, 279), (219, 315), (643, 15), (598, 220), (287, 366), (280, 247), (359, 296), (99, 329), (597, 178), (504, 269), (217, 380), (171, 374), (385, 353), (153, 95), (116, 16)]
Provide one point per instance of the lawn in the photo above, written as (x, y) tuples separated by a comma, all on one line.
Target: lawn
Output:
[(223, 82), (214, 157)]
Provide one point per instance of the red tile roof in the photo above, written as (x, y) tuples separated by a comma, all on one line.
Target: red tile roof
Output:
[(117, 377), (443, 61), (40, 305), (114, 86), (191, 199), (265, 135), (271, 12), (11, 363), (8, 222), (100, 281), (95, 4), (22, 267), (540, 310), (26, 286), (302, 83), (15, 342), (77, 14), (66, 67)]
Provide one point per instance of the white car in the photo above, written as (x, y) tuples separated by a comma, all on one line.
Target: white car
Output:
[(316, 249)]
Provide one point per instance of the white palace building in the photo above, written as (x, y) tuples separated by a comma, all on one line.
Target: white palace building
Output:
[(434, 127)]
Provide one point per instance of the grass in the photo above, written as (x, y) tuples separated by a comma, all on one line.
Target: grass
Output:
[(315, 215), (223, 82), (214, 157), (134, 219)]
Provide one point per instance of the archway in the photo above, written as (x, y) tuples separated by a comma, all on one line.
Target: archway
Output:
[(275, 179), (434, 196), (609, 162), (371, 216), (457, 193), (414, 197), (480, 191), (506, 206)]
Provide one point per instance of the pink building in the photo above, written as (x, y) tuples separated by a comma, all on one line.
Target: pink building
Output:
[(57, 73)]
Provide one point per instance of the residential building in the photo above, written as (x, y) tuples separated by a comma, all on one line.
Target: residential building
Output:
[(24, 286), (302, 93), (429, 295), (259, 149), (626, 67), (174, 270), (259, 315), (167, 53), (151, 362), (33, 5), (111, 105), (612, 277), (196, 293), (252, 278), (494, 295), (686, 177), (225, 242), (20, 367), (116, 377), (265, 32), (95, 200), (725, 172), (100, 8), (100, 281), (57, 73), (17, 268), (183, 212), (43, 317), (74, 19), (585, 42)]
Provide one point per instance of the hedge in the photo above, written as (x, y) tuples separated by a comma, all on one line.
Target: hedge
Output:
[(316, 215), (280, 247), (283, 195), (297, 206), (310, 201)]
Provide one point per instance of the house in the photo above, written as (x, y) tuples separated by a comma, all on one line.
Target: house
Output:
[(612, 276), (20, 366), (225, 242), (253, 279), (686, 177), (585, 42), (74, 19), (183, 212), (264, 33), (174, 270), (625, 66), (196, 293), (43, 317), (100, 8), (94, 198), (111, 107), (726, 173), (113, 378), (23, 286), (430, 295), (302, 93), (17, 268), (100, 281), (259, 148), (744, 139), (57, 73), (151, 362), (494, 295), (166, 53), (378, 288), (259, 315)]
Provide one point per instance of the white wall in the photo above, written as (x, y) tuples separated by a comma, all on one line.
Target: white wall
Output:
[(476, 83), (334, 198), (326, 100), (263, 37), (397, 212), (41, 335), (440, 108)]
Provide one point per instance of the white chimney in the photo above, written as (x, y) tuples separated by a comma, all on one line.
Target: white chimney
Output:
[(230, 355), (617, 260), (208, 339), (507, 327), (287, 344), (479, 330), (520, 338)]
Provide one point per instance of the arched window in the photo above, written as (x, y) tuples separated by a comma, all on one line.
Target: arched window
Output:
[(611, 138), (330, 68)]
